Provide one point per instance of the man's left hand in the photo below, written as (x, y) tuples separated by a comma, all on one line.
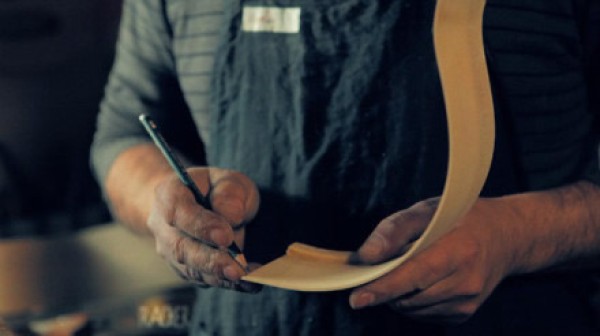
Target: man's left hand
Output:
[(448, 281)]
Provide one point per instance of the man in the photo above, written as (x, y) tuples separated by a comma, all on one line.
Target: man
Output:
[(335, 117)]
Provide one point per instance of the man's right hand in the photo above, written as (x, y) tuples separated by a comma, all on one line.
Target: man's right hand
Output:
[(194, 240)]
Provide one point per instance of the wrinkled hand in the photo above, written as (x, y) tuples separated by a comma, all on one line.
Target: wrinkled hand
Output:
[(192, 239), (448, 281)]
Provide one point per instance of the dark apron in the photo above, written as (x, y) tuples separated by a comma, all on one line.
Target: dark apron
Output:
[(340, 125)]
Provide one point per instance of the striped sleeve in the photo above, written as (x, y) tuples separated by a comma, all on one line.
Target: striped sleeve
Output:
[(142, 81), (537, 54)]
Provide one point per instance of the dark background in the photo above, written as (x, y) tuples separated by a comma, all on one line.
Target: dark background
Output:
[(54, 60)]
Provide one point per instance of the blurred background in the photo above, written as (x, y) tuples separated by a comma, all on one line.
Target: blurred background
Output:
[(54, 60), (61, 259)]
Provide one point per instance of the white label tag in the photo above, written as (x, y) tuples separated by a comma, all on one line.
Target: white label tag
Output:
[(271, 19)]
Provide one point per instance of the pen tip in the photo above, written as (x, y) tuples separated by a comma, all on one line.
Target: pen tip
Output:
[(242, 261)]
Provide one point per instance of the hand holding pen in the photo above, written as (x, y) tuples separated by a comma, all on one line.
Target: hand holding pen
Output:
[(197, 238)]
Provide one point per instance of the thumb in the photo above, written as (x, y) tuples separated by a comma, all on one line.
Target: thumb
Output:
[(393, 235), (233, 195)]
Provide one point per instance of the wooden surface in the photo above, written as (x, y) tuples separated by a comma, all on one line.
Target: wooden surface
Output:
[(100, 263)]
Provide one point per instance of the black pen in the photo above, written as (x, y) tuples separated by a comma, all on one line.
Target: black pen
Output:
[(234, 251)]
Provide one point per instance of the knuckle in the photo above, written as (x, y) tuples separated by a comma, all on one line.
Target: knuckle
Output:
[(197, 256), (428, 206), (428, 269), (195, 221), (207, 220), (179, 251), (471, 251), (213, 264), (389, 223), (207, 260), (182, 215), (153, 220), (201, 226), (400, 219), (163, 192), (211, 280), (192, 274), (413, 218), (380, 240), (160, 249)]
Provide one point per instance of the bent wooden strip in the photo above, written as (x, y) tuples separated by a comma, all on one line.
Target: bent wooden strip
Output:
[(458, 40)]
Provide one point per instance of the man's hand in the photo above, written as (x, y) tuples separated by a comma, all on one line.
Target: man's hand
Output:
[(192, 239), (448, 281)]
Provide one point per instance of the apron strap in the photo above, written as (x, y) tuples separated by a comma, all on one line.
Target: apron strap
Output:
[(459, 49)]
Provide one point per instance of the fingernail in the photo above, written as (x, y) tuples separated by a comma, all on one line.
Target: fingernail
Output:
[(219, 237), (373, 246), (361, 300), (232, 273)]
